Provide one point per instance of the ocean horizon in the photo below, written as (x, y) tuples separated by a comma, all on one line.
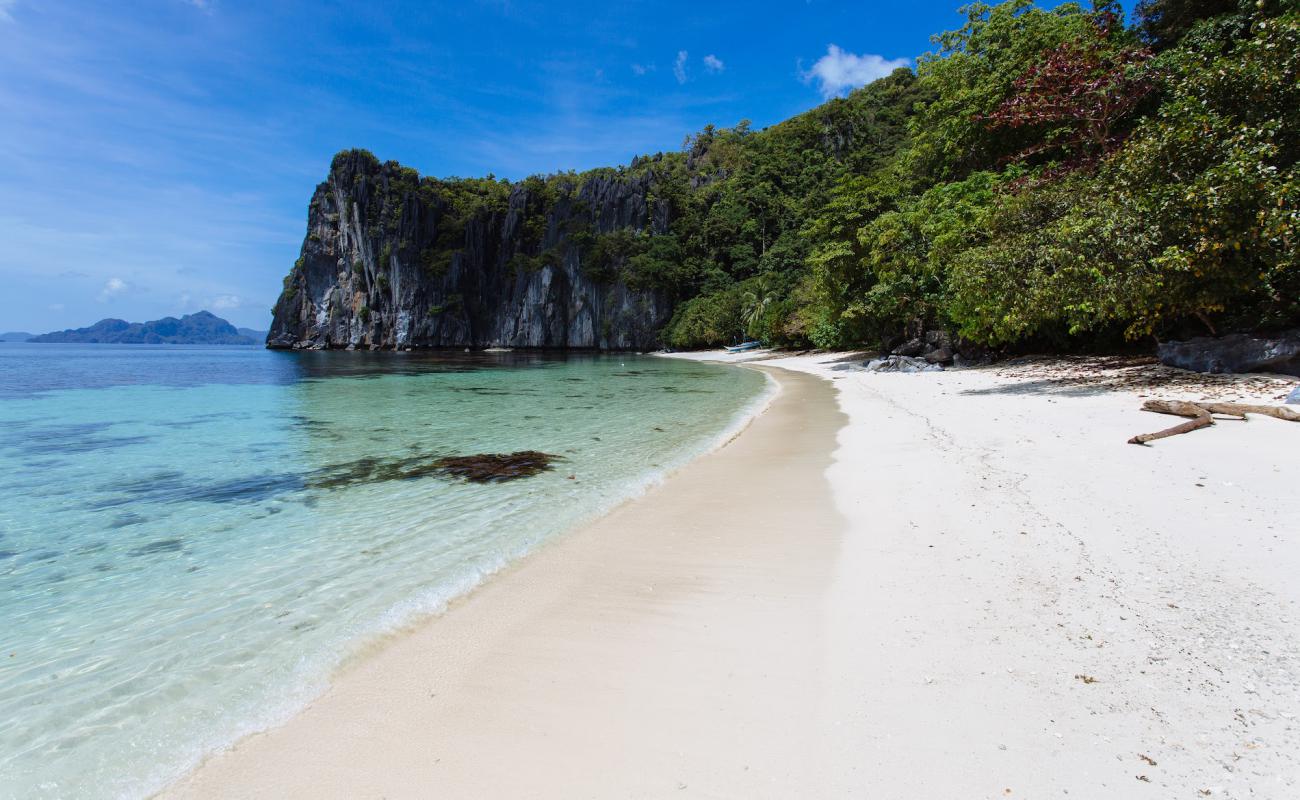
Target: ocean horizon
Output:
[(194, 538)]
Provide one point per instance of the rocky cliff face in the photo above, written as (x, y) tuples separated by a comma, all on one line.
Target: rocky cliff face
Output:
[(394, 261)]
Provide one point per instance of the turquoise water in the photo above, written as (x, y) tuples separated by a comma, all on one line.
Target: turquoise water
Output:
[(192, 538)]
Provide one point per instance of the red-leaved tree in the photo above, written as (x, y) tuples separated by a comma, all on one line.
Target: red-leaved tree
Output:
[(1079, 96)]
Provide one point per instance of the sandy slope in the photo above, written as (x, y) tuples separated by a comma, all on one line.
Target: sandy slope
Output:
[(986, 594)]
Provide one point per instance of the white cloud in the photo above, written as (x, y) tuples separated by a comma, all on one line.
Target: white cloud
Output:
[(55, 306), (839, 70), (679, 66), (5, 7), (114, 286), (641, 69), (713, 64), (225, 302)]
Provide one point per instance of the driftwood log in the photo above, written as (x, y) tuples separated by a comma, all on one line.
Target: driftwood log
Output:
[(1202, 415)]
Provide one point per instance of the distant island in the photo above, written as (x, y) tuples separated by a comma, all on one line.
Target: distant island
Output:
[(15, 336), (203, 327)]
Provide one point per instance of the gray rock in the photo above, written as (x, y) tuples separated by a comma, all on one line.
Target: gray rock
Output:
[(379, 270), (942, 355), (1237, 352), (897, 363), (935, 346), (939, 340), (1294, 397), (910, 348)]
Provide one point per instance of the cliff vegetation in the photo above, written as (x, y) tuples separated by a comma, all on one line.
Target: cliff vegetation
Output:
[(1044, 177)]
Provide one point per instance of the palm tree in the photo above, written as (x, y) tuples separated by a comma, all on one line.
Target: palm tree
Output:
[(756, 304)]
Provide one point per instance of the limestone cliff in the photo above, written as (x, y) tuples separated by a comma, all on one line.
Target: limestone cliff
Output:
[(393, 260)]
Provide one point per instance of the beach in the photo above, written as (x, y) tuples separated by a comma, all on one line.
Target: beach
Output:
[(935, 585)]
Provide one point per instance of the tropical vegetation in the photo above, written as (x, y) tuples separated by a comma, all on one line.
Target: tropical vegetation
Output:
[(1044, 177)]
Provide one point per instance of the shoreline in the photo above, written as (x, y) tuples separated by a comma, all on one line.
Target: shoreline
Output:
[(629, 540), (954, 584), (341, 573)]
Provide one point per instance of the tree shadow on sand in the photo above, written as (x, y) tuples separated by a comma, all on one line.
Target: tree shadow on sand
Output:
[(1083, 376)]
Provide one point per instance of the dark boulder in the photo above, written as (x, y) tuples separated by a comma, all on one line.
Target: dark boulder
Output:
[(910, 349), (941, 355), (935, 346), (939, 340), (1238, 352), (970, 354)]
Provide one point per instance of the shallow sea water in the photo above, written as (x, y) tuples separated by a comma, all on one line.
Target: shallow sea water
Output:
[(193, 538)]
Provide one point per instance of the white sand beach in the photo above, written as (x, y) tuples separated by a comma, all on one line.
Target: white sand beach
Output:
[(938, 585)]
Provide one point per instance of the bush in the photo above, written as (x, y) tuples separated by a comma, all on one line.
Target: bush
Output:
[(707, 321)]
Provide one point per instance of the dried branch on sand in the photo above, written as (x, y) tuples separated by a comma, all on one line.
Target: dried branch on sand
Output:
[(1202, 415)]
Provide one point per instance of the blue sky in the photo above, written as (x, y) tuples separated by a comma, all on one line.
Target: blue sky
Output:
[(156, 157)]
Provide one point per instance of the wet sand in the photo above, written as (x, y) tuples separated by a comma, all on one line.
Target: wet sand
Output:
[(674, 646)]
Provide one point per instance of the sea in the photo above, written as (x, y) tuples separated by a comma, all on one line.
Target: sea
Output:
[(193, 539)]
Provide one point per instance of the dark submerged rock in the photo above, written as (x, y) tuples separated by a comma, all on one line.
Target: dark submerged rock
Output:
[(1238, 352), (160, 546), (495, 467), (480, 468)]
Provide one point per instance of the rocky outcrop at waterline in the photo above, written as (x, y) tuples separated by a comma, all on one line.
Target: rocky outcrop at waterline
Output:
[(393, 260)]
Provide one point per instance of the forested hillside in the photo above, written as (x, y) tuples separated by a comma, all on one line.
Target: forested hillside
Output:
[(1058, 178)]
